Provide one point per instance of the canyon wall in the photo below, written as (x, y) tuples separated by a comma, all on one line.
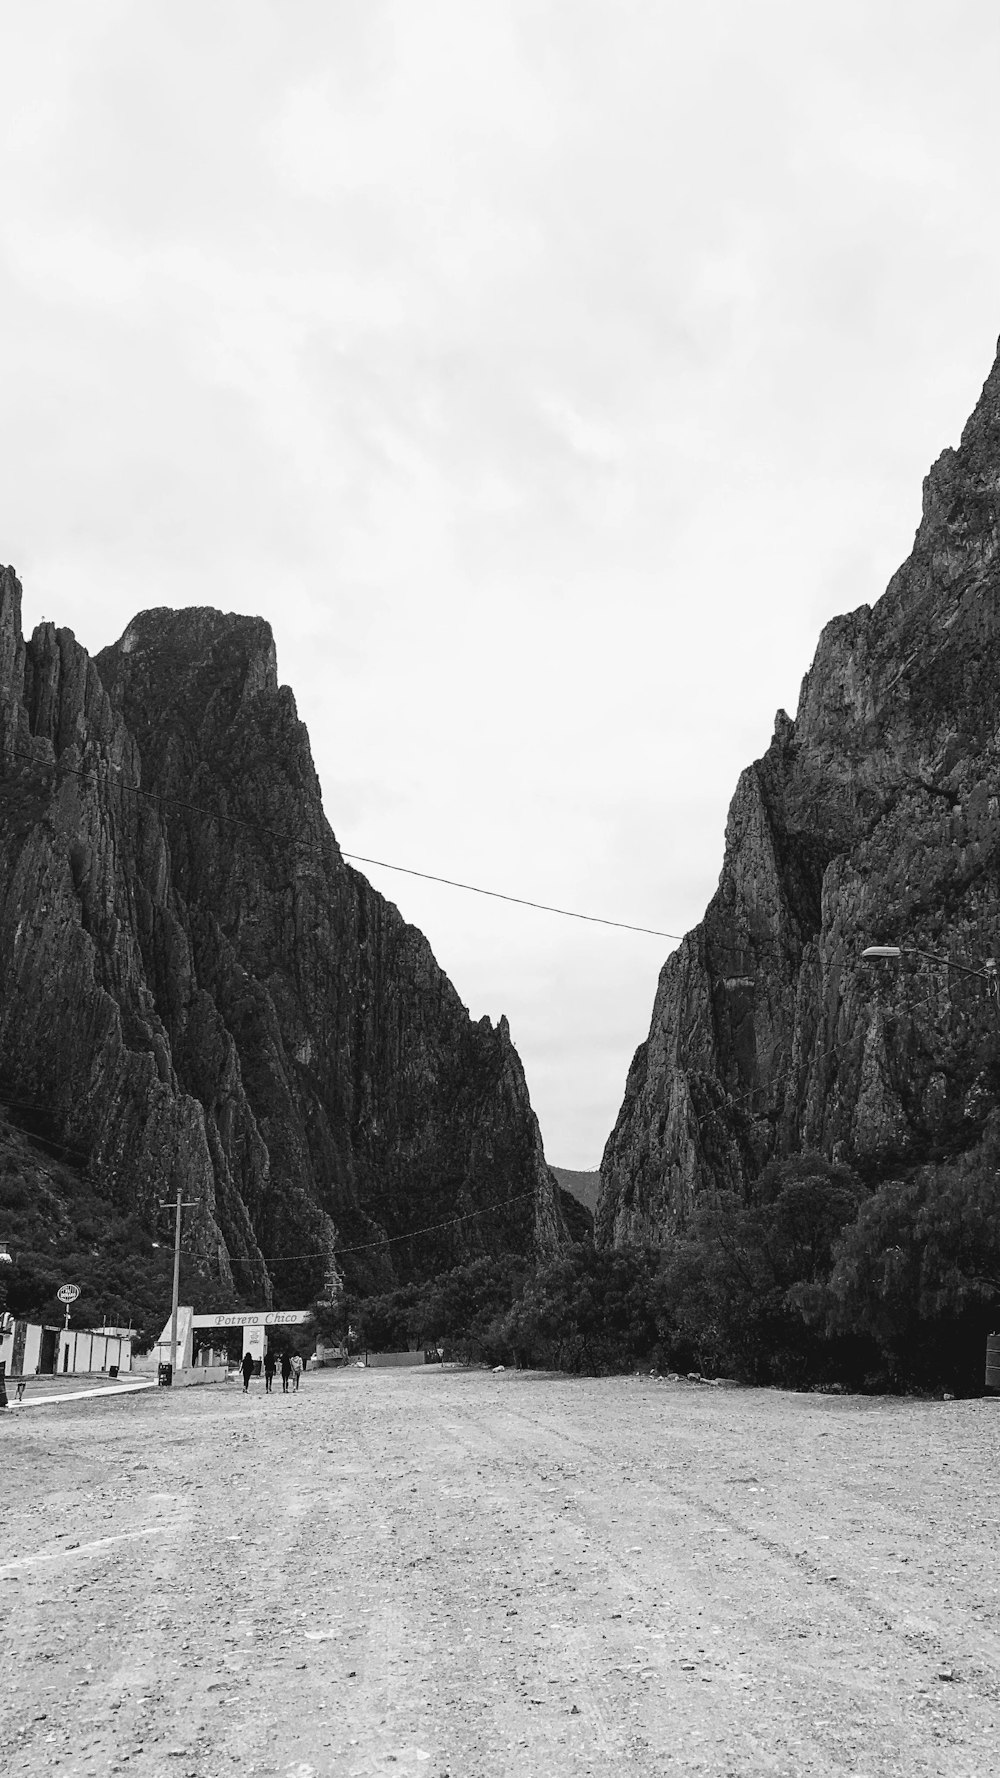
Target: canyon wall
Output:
[(873, 818), (197, 990)]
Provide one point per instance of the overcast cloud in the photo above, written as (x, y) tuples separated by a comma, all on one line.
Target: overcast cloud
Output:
[(547, 375)]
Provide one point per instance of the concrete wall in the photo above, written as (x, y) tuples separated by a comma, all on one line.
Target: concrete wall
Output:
[(161, 1351), (80, 1351), (202, 1373), (20, 1350), (385, 1360), (86, 1351)]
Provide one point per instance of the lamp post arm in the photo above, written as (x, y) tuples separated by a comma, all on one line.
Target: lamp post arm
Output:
[(934, 957), (990, 975)]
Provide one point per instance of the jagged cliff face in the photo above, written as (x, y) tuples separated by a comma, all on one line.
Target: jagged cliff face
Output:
[(873, 818), (199, 990)]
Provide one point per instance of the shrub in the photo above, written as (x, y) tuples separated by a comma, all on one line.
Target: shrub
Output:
[(739, 1278), (919, 1271), (589, 1309)]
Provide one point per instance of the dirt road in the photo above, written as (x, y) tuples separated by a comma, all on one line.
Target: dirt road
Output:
[(437, 1572)]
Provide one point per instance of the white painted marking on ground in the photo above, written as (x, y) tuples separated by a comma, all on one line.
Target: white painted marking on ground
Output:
[(86, 1549), (47, 1401)]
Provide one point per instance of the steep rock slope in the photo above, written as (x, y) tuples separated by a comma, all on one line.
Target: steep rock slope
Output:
[(584, 1187), (197, 989), (874, 817)]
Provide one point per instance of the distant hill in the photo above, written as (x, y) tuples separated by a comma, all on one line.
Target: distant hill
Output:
[(583, 1186)]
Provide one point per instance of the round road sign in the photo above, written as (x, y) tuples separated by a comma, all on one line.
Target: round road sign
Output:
[(68, 1293)]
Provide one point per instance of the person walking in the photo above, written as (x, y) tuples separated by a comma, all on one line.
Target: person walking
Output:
[(247, 1368), (296, 1370), (269, 1370), (286, 1371)]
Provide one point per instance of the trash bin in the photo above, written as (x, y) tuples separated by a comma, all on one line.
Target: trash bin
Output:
[(112, 1371), (165, 1375)]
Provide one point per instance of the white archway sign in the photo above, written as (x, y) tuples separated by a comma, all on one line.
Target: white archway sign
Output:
[(254, 1323)]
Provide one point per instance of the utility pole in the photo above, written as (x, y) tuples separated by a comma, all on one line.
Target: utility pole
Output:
[(181, 1204)]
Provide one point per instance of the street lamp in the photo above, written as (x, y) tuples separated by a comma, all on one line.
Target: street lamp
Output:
[(987, 974)]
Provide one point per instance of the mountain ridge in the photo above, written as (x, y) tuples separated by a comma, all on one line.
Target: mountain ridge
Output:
[(203, 992), (872, 817)]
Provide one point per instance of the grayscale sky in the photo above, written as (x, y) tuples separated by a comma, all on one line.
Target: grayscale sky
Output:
[(547, 372)]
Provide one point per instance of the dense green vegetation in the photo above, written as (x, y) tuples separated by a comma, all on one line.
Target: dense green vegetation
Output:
[(917, 1274), (814, 1280), (60, 1228)]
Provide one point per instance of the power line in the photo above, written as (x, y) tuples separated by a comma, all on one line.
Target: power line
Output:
[(37, 1137), (288, 838), (520, 900), (388, 1241), (503, 1204), (732, 1105), (275, 1259), (238, 821), (735, 1101)]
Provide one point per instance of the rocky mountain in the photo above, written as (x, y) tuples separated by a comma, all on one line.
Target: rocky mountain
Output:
[(197, 990), (873, 818), (584, 1187)]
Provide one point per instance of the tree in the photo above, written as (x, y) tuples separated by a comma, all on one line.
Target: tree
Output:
[(462, 1308), (589, 1309), (387, 1323), (919, 1271), (735, 1279)]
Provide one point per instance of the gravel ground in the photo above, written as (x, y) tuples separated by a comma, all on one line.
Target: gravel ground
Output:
[(446, 1572)]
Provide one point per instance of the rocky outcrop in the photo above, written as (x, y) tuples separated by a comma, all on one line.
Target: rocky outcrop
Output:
[(197, 990), (873, 818), (584, 1187)]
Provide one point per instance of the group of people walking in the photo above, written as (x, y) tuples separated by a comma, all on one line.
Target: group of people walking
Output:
[(289, 1365)]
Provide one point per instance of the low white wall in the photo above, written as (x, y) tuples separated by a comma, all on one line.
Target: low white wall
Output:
[(81, 1353), (184, 1377), (202, 1373)]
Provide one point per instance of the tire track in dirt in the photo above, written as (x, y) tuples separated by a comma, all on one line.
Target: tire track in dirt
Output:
[(443, 1573), (615, 1686), (488, 1692), (868, 1691), (981, 1669)]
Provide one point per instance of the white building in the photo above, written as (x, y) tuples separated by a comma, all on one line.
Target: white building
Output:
[(93, 1349), (28, 1350)]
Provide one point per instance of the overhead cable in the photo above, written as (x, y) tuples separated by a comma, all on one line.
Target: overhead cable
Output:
[(733, 1104), (275, 1259), (356, 857)]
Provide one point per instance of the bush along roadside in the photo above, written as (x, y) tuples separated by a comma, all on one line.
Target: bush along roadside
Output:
[(812, 1281)]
